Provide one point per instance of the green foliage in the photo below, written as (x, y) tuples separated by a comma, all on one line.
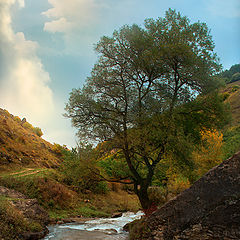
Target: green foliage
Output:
[(60, 150), (208, 153), (79, 169), (231, 141), (235, 77), (43, 186), (233, 74), (132, 97), (114, 165)]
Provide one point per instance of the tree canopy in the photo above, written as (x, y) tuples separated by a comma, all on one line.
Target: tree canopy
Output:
[(141, 76)]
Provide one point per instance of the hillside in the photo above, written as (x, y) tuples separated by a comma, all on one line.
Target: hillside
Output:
[(232, 95), (31, 168), (20, 143)]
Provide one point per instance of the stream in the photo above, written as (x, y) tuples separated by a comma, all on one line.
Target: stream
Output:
[(97, 229)]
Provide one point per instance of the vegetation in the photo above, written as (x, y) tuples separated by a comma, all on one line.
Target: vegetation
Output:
[(132, 98), (152, 110), (231, 75), (12, 223), (20, 143), (209, 153)]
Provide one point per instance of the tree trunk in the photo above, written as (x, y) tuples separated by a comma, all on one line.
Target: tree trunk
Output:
[(143, 197)]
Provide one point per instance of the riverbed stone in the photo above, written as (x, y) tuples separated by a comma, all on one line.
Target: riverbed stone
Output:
[(209, 209), (116, 214)]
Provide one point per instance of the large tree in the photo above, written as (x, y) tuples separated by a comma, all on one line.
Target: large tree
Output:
[(141, 76)]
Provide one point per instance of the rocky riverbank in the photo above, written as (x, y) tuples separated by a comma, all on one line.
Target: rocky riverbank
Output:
[(209, 209)]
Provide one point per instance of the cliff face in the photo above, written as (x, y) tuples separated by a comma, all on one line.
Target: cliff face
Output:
[(209, 209)]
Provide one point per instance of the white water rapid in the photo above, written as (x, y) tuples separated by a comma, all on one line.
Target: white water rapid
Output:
[(99, 229)]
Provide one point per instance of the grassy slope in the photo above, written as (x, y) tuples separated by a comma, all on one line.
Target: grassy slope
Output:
[(29, 164), (231, 133), (20, 145)]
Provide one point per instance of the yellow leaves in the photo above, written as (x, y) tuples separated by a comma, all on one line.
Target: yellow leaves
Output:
[(209, 153)]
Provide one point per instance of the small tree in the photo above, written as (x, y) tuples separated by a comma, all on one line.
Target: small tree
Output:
[(142, 74)]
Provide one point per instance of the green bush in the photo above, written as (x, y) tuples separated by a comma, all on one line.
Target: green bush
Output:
[(79, 169)]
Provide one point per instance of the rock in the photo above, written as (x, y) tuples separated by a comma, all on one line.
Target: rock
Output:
[(110, 231), (30, 210), (116, 215), (209, 209), (35, 235)]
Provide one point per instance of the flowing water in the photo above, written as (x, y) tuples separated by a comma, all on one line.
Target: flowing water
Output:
[(99, 229)]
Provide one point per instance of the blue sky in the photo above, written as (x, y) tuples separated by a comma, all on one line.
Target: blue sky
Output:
[(46, 48)]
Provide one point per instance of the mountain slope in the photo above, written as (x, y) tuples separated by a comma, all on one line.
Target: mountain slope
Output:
[(20, 144)]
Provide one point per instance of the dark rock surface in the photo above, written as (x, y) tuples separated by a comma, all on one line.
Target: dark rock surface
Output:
[(209, 209)]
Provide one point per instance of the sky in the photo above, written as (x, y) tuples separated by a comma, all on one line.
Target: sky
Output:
[(47, 49)]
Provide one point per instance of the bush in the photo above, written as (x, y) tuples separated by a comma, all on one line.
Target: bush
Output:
[(79, 169), (60, 150), (17, 119), (35, 130), (38, 131), (235, 88)]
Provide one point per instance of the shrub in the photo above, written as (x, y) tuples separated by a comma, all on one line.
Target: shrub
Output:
[(79, 169), (177, 183), (17, 119), (35, 130), (235, 87), (225, 96), (59, 150), (38, 131)]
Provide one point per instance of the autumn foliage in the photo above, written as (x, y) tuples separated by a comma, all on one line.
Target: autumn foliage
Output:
[(209, 152)]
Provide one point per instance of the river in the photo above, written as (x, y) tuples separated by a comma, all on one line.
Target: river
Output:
[(97, 229)]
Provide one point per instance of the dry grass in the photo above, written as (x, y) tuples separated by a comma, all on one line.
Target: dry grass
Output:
[(113, 201), (232, 91), (19, 145)]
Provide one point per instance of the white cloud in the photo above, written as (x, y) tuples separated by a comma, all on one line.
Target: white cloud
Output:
[(83, 22), (66, 15), (59, 25), (24, 83)]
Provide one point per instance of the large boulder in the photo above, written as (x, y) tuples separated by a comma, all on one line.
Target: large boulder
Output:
[(209, 209)]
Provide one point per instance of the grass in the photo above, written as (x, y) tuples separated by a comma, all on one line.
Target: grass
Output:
[(59, 200), (21, 145), (231, 139)]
